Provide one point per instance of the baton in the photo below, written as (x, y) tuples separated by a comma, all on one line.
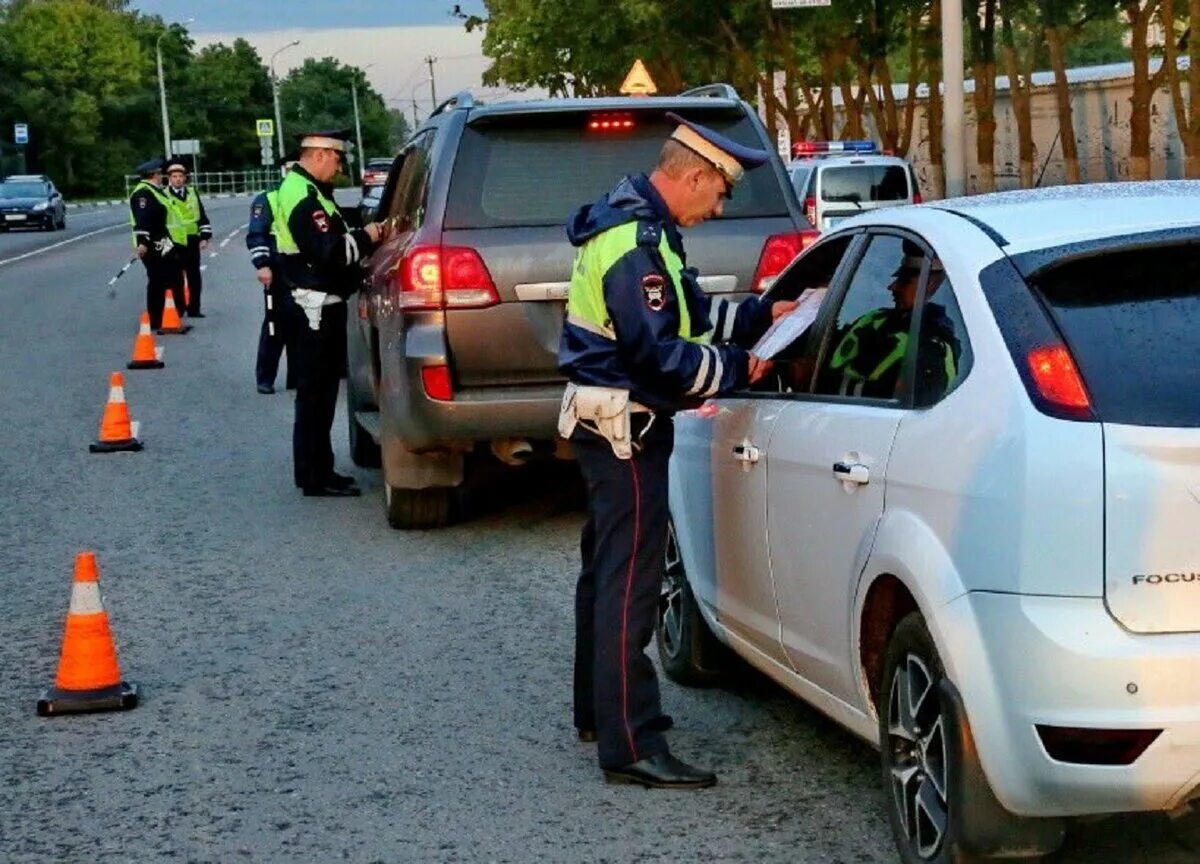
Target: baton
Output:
[(121, 272)]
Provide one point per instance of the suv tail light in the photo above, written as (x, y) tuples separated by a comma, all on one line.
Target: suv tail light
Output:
[(437, 384), (810, 210), (777, 253), (444, 277), (1057, 378), (917, 198)]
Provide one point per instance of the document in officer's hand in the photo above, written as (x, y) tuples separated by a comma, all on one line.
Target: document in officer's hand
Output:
[(791, 326)]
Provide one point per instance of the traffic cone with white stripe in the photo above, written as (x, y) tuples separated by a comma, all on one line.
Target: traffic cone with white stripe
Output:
[(146, 355), (171, 322), (117, 431), (89, 678)]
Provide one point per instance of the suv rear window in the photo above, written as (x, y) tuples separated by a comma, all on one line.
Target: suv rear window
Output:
[(537, 169), (1130, 319), (863, 183)]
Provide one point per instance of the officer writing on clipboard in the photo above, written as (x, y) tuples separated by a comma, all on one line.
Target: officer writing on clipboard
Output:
[(639, 343)]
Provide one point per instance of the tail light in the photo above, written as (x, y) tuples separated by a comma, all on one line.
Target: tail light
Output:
[(436, 381), (444, 277), (610, 123), (778, 252), (917, 198), (1057, 379), (810, 210)]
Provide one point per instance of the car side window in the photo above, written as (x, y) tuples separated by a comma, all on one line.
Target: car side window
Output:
[(407, 205), (864, 355), (943, 350)]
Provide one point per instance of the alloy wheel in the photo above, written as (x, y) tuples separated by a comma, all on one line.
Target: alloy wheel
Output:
[(670, 601), (917, 757)]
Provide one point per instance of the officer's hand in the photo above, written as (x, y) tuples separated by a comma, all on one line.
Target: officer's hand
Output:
[(783, 307), (141, 251), (264, 276), (759, 368), (377, 231)]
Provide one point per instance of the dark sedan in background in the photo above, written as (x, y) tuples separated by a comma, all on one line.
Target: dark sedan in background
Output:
[(30, 200)]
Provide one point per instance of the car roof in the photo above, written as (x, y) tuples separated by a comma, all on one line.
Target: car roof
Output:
[(605, 103), (840, 160), (26, 178)]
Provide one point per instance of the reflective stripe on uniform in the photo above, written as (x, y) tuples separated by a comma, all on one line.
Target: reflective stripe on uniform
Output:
[(584, 324)]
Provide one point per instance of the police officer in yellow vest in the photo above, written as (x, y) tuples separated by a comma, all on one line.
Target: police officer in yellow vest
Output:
[(158, 239), (189, 211), (316, 257), (641, 341)]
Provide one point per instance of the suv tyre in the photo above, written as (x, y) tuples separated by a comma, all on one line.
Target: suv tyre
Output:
[(418, 508), (364, 452), (689, 652)]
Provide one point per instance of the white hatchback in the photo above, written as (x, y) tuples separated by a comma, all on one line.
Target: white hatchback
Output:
[(962, 517)]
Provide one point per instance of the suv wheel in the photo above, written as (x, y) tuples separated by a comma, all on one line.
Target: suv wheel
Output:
[(364, 452), (940, 806), (689, 652), (418, 508)]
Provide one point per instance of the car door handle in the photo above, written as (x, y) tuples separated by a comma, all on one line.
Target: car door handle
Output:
[(852, 473), (746, 453)]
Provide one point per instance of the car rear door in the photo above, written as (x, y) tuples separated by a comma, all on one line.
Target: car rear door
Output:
[(1130, 319)]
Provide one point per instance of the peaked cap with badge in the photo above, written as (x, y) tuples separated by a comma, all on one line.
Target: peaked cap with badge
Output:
[(328, 139), (726, 155)]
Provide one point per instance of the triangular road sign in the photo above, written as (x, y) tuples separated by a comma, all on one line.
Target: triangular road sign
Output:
[(638, 82)]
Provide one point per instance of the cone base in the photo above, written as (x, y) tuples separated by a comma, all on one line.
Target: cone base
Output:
[(129, 444), (145, 364), (119, 697), (174, 331)]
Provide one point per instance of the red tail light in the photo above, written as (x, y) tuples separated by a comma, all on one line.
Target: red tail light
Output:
[(610, 123), (810, 210), (917, 198), (778, 252), (1056, 377), (445, 277), (436, 381)]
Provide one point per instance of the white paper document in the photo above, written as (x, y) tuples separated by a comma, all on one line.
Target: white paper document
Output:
[(790, 327)]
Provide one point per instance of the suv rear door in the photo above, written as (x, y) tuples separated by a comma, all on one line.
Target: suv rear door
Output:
[(848, 187), (1130, 319), (517, 179)]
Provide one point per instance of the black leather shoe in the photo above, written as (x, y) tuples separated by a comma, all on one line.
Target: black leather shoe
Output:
[(661, 771), (266, 389), (339, 481), (661, 723), (331, 492)]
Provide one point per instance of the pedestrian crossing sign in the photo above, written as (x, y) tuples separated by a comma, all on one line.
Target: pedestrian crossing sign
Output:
[(266, 128), (638, 82)]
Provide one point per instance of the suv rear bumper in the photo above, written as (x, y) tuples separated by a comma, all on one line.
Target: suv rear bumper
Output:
[(1021, 661)]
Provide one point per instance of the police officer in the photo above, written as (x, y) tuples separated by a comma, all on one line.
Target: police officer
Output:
[(157, 238), (189, 212), (640, 342), (272, 338), (316, 258)]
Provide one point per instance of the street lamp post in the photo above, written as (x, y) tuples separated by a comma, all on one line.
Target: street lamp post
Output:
[(275, 94), (413, 95), (362, 159), (954, 158), (162, 90)]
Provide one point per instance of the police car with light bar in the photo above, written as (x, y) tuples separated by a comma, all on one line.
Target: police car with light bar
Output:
[(840, 179)]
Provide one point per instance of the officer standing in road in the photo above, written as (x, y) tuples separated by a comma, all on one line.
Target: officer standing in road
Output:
[(157, 238), (189, 212), (273, 337), (316, 258), (638, 345)]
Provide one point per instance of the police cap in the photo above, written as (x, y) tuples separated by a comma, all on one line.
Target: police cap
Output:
[(329, 139), (150, 167), (726, 155), (176, 163)]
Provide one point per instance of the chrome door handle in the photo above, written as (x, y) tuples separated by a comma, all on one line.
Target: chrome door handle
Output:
[(852, 473), (746, 453)]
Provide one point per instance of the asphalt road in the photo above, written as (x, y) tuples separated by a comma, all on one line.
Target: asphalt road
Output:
[(318, 687)]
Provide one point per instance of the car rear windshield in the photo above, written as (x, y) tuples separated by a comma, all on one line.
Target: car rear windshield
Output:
[(1130, 319), (863, 183), (22, 190), (537, 169)]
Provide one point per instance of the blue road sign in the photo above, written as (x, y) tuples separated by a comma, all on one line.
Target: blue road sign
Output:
[(20, 133)]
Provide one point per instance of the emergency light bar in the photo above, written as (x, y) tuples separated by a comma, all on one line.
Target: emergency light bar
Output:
[(805, 148)]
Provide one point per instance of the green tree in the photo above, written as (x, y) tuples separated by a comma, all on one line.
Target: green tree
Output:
[(227, 89), (317, 95)]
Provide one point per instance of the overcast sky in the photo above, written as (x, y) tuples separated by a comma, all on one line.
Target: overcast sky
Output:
[(393, 35)]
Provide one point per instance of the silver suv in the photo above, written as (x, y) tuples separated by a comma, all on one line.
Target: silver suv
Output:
[(452, 352)]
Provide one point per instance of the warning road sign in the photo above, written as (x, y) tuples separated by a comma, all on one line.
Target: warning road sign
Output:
[(265, 128), (638, 82)]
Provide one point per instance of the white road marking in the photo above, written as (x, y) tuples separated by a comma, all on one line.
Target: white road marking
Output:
[(203, 267), (62, 243), (225, 242)]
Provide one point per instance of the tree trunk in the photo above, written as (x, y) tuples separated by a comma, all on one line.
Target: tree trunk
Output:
[(984, 68), (1056, 37), (933, 114), (827, 94), (1019, 93), (1143, 92), (914, 78), (766, 83)]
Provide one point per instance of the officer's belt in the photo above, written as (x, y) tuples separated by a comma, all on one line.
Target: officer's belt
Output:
[(603, 410)]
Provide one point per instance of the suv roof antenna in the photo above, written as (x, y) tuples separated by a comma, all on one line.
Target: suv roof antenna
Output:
[(719, 91), (461, 99)]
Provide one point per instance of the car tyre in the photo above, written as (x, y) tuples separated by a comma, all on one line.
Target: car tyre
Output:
[(689, 652), (364, 451), (409, 509), (62, 223), (940, 806)]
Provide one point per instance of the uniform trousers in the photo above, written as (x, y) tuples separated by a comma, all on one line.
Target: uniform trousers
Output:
[(617, 596), (319, 356), (195, 281), (274, 336), (162, 272)]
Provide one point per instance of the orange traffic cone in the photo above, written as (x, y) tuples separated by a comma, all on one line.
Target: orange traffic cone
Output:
[(145, 354), (117, 431), (171, 322), (88, 678)]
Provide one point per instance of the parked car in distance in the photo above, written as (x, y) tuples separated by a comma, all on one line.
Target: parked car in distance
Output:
[(453, 348), (369, 205), (375, 173), (840, 179), (959, 518), (31, 201)]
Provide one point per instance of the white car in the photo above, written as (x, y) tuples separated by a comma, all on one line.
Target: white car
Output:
[(837, 180), (966, 524)]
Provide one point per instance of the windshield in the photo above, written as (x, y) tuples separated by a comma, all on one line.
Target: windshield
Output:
[(1130, 318), (23, 190), (862, 183)]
